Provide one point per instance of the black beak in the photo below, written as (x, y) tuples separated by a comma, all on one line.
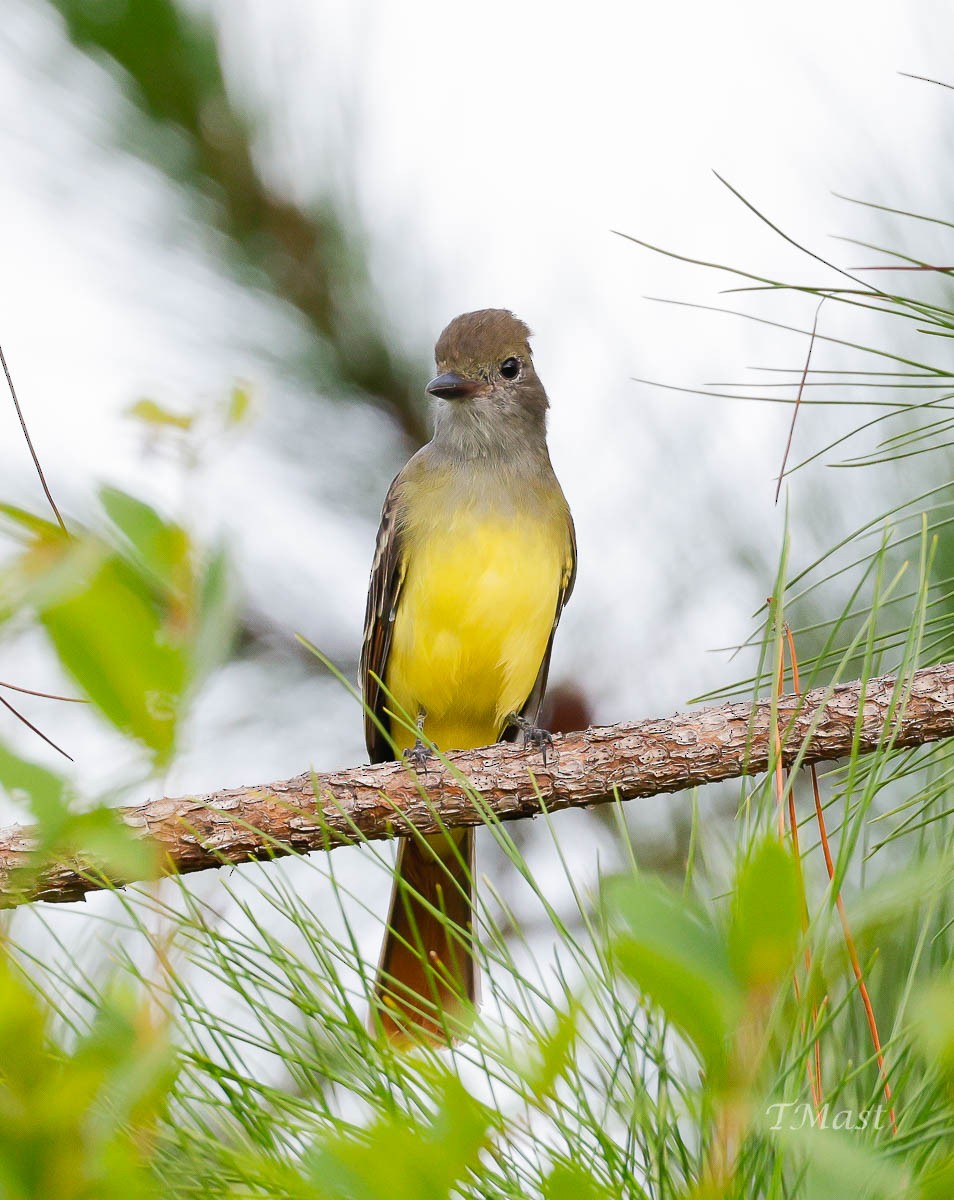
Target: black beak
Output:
[(451, 386)]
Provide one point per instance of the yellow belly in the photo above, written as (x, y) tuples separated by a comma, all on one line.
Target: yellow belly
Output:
[(472, 625)]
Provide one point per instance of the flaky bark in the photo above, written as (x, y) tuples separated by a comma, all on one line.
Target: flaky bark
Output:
[(321, 811)]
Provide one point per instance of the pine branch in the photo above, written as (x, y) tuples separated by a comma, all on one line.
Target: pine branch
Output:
[(595, 766)]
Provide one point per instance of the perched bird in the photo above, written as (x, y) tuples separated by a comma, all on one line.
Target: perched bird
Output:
[(475, 559)]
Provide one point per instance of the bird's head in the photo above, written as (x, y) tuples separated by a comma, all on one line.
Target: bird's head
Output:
[(486, 381)]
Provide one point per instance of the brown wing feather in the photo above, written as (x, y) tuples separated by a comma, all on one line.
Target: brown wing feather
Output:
[(387, 576)]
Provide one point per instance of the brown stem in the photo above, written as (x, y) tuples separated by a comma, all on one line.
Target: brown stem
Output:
[(595, 766)]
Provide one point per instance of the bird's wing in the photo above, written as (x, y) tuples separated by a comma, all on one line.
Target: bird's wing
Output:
[(531, 707), (387, 576)]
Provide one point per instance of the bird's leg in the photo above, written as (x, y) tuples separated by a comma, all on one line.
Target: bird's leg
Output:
[(417, 755), (531, 735)]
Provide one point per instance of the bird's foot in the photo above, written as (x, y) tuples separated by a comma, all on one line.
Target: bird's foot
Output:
[(531, 735), (416, 756)]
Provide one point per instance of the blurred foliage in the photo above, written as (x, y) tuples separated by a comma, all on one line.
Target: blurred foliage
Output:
[(79, 1124), (132, 615), (138, 617), (435, 1155), (708, 980), (165, 57)]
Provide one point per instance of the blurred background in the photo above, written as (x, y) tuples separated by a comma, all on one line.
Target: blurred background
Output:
[(291, 198)]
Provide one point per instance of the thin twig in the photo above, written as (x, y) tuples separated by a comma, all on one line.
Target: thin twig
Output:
[(33, 454), (927, 79), (853, 955), (798, 400), (791, 241), (13, 687), (918, 267), (39, 732)]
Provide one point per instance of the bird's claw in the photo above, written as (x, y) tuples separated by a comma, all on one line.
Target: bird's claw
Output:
[(533, 735), (416, 756)]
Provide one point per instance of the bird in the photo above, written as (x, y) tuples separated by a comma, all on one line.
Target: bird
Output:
[(474, 562)]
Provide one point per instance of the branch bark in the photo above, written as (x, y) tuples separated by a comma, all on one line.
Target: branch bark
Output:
[(322, 811)]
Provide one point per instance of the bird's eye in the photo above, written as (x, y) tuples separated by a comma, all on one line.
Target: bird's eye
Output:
[(510, 368)]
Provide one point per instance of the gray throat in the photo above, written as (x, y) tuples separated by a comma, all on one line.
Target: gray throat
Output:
[(465, 433)]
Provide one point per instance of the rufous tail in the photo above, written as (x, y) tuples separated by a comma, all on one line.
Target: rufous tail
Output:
[(427, 978)]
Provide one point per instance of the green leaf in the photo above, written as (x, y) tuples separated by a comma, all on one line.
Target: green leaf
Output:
[(161, 548), (398, 1158), (114, 640), (50, 567), (78, 1124), (238, 407), (939, 1184), (570, 1181), (766, 924), (126, 1045), (216, 615), (153, 414), (28, 524), (98, 836), (42, 790), (839, 1164), (677, 957), (101, 838), (45, 794), (892, 898), (551, 1054), (132, 621), (934, 1021)]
